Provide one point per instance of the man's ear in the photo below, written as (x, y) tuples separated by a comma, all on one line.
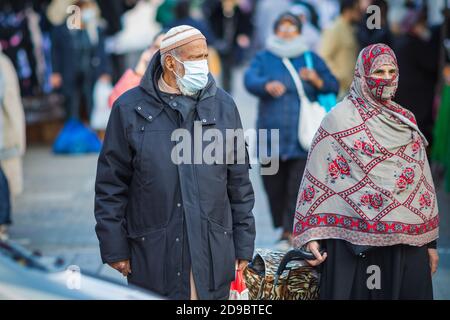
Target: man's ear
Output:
[(169, 63)]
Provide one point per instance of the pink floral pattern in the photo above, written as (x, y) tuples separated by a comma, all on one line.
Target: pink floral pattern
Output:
[(344, 168), (405, 180), (333, 169), (338, 168), (371, 200), (366, 148), (376, 201), (408, 175), (401, 183), (358, 145), (425, 200), (415, 147), (308, 194), (365, 199)]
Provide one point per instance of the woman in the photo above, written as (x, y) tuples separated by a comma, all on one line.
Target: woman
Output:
[(367, 196), (269, 79)]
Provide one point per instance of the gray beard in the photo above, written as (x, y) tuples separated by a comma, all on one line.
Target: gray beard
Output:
[(184, 91)]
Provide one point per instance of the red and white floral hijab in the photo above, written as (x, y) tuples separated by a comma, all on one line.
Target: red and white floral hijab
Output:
[(367, 179)]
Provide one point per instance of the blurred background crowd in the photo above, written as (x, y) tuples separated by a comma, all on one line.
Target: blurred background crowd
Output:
[(63, 66)]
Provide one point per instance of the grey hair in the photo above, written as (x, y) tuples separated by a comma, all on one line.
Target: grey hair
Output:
[(174, 52)]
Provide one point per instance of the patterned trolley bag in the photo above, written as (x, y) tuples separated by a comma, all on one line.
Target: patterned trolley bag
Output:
[(274, 275)]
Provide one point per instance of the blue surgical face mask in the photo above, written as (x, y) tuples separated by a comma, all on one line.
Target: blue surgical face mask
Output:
[(195, 76)]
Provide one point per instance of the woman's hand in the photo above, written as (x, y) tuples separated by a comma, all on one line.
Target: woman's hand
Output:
[(275, 88), (312, 76), (434, 260), (314, 247)]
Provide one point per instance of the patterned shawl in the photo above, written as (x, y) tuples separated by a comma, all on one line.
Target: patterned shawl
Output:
[(367, 179)]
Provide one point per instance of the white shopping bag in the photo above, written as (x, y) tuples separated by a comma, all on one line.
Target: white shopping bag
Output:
[(101, 110)]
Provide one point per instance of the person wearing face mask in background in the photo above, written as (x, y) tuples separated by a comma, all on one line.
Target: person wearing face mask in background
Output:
[(79, 60), (269, 80), (176, 228), (367, 206), (132, 77), (417, 50)]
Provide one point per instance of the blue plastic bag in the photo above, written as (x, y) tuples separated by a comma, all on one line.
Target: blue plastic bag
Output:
[(326, 100), (76, 138)]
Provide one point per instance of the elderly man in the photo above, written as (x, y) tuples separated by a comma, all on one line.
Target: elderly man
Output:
[(178, 229)]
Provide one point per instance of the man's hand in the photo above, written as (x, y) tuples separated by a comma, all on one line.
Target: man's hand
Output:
[(121, 266), (56, 80), (275, 88), (314, 247), (434, 260), (241, 264)]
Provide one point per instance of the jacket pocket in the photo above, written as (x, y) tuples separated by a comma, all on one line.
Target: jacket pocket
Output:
[(148, 256), (222, 255)]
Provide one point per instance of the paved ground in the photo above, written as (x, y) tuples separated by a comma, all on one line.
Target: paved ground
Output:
[(55, 213)]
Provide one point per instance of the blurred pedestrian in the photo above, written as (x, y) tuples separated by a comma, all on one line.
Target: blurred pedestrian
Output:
[(367, 197), (279, 108), (232, 29), (327, 11), (132, 77), (441, 132), (417, 50), (19, 40), (165, 14), (183, 16), (266, 13), (340, 47), (79, 59), (378, 34), (177, 229), (310, 34), (12, 139)]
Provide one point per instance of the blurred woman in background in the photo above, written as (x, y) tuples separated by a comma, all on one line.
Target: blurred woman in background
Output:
[(279, 108)]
